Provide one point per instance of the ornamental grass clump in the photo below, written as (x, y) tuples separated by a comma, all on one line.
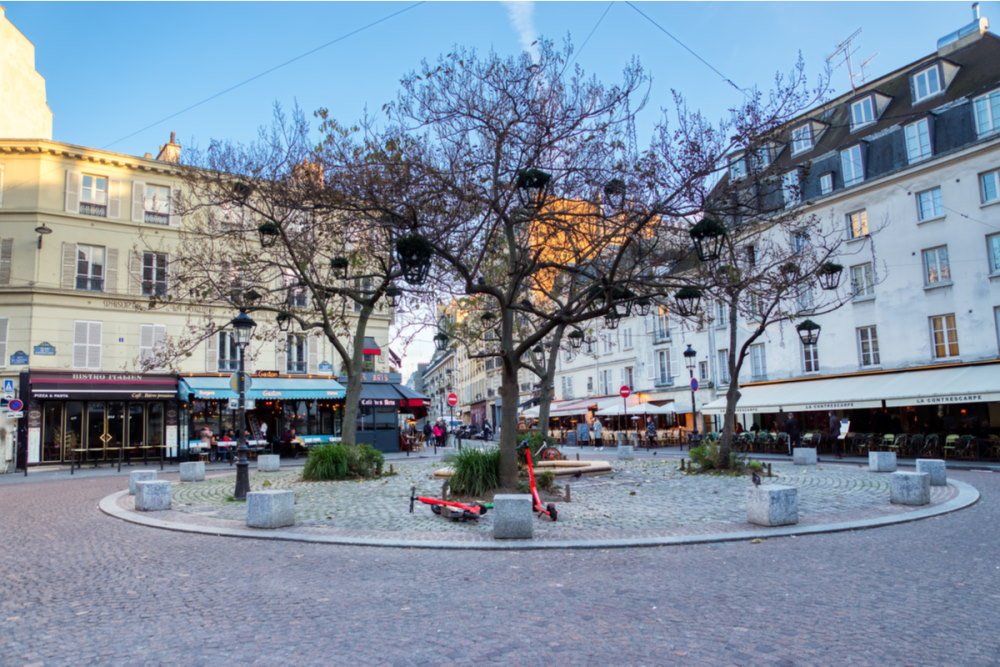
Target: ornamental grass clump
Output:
[(476, 471)]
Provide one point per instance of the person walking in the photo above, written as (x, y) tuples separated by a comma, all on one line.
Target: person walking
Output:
[(834, 432), (794, 433), (651, 433), (598, 434)]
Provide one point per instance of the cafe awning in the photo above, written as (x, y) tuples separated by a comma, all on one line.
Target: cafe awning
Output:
[(638, 409), (927, 386), (369, 346), (276, 389)]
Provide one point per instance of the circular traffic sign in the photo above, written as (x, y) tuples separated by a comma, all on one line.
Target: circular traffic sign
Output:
[(452, 399), (694, 384), (625, 392), (15, 405)]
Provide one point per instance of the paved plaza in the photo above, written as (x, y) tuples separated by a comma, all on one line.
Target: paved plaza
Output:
[(84, 588)]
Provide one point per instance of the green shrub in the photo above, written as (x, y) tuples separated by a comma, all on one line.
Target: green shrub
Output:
[(326, 462), (704, 456), (756, 466), (545, 480), (365, 461), (476, 471)]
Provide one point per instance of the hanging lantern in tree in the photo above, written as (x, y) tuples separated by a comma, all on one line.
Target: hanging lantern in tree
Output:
[(532, 188), (269, 232), (708, 236), (688, 300), (441, 341), (284, 321), (575, 339), (612, 318), (242, 192), (614, 195), (829, 275), (414, 253), (338, 267), (643, 305), (808, 332), (393, 295)]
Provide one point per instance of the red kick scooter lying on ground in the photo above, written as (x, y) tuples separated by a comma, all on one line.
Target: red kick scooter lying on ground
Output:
[(449, 508)]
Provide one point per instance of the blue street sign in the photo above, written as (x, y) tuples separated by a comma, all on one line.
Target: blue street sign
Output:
[(16, 405), (19, 358), (8, 386), (694, 384), (45, 349)]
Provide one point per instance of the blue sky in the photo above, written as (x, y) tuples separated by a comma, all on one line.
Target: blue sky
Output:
[(115, 68)]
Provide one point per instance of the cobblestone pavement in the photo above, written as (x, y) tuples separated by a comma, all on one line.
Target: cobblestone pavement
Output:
[(82, 588)]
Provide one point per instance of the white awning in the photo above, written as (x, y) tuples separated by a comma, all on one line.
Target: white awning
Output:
[(933, 386), (638, 409)]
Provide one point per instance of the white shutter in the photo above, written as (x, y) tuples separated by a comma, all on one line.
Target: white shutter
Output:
[(652, 366), (79, 344), (72, 203), (146, 335), (673, 363), (175, 198), (279, 353), (3, 342), (111, 270), (6, 250), (313, 353), (138, 203), (212, 353), (68, 265), (114, 199), (1, 186), (134, 272), (93, 345)]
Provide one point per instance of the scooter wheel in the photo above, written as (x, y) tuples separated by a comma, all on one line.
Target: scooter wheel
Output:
[(482, 509), (552, 511), (436, 509)]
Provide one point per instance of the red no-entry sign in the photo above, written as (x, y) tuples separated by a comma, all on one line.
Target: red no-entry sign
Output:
[(625, 392), (452, 399)]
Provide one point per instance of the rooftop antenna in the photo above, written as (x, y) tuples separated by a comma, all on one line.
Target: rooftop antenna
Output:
[(846, 50)]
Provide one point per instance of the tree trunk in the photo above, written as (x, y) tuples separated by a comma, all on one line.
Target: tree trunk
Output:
[(548, 382), (354, 369), (508, 426), (733, 392)]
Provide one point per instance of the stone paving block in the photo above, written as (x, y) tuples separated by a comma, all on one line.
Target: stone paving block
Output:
[(270, 509), (910, 488), (139, 476), (513, 518), (152, 495), (936, 469), (193, 471), (804, 456), (773, 505), (269, 462), (882, 461), (626, 452)]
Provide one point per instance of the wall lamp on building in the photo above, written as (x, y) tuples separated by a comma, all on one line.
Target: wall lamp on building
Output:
[(808, 332), (708, 236), (42, 231)]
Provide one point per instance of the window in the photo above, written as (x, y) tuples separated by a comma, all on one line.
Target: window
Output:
[(87, 345), (229, 352), (3, 341), (737, 167), (810, 358), (857, 224), (800, 241), (628, 376), (567, 386), (944, 336), (94, 195), (154, 274), (996, 316), (364, 287), (826, 183), (663, 367), (156, 204), (918, 141), (703, 370), (606, 343), (721, 314), (151, 340), (936, 268), (296, 353), (723, 357), (605, 378), (804, 299), (662, 324), (90, 268), (862, 280), (802, 138), (868, 347), (755, 305), (627, 338), (761, 158), (989, 186), (295, 292), (987, 111), (852, 165), (758, 362), (926, 83), (929, 204), (590, 385), (862, 113), (993, 250), (751, 255), (790, 189)]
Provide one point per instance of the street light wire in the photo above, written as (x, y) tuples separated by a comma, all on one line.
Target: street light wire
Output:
[(589, 35)]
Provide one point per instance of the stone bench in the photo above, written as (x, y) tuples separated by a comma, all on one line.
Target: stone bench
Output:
[(936, 469), (882, 461), (152, 495), (139, 476), (773, 505), (513, 518), (193, 471), (804, 456), (270, 509), (910, 488), (269, 463)]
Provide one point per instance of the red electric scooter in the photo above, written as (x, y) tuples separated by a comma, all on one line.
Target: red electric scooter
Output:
[(546, 510), (450, 509)]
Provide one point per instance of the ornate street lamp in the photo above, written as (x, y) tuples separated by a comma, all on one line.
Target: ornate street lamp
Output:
[(689, 360), (575, 339), (612, 318), (688, 300), (707, 237), (338, 267), (614, 194), (242, 192), (532, 188), (252, 297), (243, 327), (642, 306), (808, 332), (441, 341), (829, 275), (414, 253), (393, 294), (284, 321), (268, 232)]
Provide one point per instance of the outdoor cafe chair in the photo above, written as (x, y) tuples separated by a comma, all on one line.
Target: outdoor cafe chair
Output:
[(917, 443), (967, 447), (899, 444), (950, 445)]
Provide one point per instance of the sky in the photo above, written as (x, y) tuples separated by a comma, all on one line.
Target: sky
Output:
[(121, 76)]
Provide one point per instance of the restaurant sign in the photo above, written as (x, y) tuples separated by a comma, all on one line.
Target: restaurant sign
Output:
[(378, 402)]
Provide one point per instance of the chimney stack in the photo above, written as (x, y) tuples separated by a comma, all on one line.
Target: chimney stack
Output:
[(171, 151)]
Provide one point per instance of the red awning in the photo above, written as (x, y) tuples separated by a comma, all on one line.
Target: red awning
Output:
[(370, 346)]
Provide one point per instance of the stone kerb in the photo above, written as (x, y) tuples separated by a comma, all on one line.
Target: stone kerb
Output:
[(804, 456), (512, 516), (882, 461), (269, 462), (139, 476), (193, 471), (936, 469), (152, 495), (271, 509), (910, 488), (773, 505)]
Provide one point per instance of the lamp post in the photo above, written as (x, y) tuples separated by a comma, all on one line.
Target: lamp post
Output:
[(689, 361), (243, 326)]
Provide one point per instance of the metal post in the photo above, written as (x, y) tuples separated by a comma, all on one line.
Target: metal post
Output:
[(694, 410), (242, 465), (625, 408)]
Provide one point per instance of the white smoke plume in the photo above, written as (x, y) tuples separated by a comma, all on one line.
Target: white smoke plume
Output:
[(522, 19)]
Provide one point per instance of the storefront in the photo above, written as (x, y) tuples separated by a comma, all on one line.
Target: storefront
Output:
[(97, 416), (384, 405)]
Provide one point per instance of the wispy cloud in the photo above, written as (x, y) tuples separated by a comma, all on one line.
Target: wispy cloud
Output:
[(522, 19)]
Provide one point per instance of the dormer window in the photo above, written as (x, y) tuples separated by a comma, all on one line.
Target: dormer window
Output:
[(802, 138), (737, 167), (926, 83), (862, 113)]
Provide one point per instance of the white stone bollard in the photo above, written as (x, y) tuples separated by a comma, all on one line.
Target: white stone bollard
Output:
[(804, 456), (773, 505), (936, 469), (513, 518), (193, 471), (152, 495), (626, 452), (882, 461), (270, 509), (910, 488), (139, 476), (269, 463)]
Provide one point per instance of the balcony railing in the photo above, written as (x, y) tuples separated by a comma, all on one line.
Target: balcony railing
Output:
[(90, 284), (229, 365), (153, 218), (296, 367), (88, 208)]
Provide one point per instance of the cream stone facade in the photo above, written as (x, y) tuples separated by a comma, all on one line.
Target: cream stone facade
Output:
[(23, 111)]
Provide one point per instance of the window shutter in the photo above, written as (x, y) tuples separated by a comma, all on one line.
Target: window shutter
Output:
[(6, 248), (3, 341), (672, 368), (72, 191), (134, 272), (313, 353), (79, 344), (279, 353), (138, 205), (145, 342), (651, 366), (93, 344), (648, 322), (175, 199), (248, 361), (114, 199), (111, 271), (1, 186), (68, 265), (212, 353)]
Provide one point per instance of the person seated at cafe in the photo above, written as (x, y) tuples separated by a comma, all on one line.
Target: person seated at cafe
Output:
[(291, 444)]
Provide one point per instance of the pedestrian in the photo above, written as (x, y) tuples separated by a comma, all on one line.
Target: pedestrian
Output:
[(436, 432), (794, 433), (598, 431), (263, 432), (651, 432), (428, 432), (444, 434), (834, 431)]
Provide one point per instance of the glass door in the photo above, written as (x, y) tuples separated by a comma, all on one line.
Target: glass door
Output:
[(53, 433), (95, 429), (136, 425)]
